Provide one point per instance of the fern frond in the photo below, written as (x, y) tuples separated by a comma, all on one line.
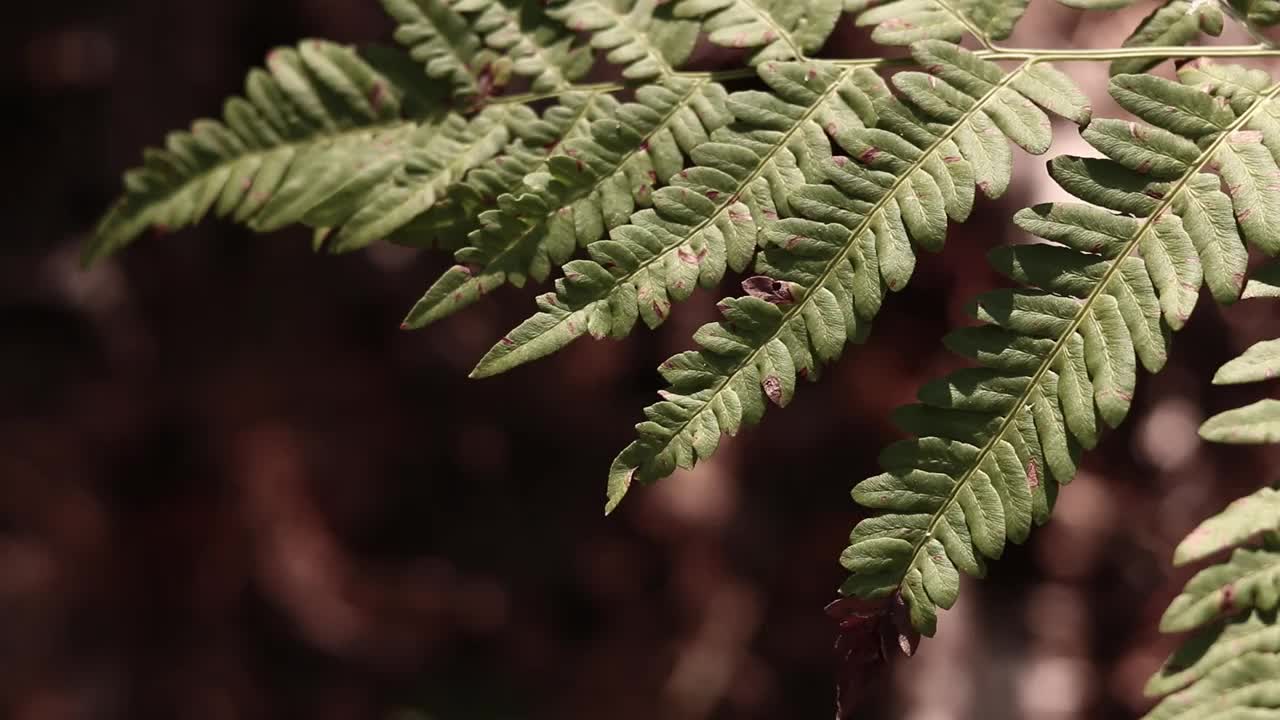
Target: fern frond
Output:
[(639, 35), (322, 138), (782, 30), (903, 22), (848, 238), (591, 183), (477, 44), (995, 442), (1231, 667)]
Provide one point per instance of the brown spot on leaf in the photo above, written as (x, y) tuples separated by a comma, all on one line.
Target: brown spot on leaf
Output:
[(1228, 603), (772, 385), (766, 288)]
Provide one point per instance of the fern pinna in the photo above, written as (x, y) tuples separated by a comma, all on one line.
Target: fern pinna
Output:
[(817, 179)]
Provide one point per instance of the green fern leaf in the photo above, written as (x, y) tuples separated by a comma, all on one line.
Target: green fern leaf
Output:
[(1229, 668), (1254, 633), (442, 40), (848, 239), (1250, 579), (1260, 362), (1243, 688), (1177, 22), (592, 183), (536, 46), (781, 30), (1240, 521), (634, 33), (1256, 423), (1053, 360), (903, 22), (1265, 282), (476, 45), (323, 139)]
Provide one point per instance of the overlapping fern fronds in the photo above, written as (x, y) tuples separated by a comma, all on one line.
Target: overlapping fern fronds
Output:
[(823, 177), (1230, 666), (898, 169), (1057, 361)]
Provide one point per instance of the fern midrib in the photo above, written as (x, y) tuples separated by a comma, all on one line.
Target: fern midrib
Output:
[(968, 25), (1085, 309), (773, 25), (464, 63), (995, 53), (542, 222), (891, 192)]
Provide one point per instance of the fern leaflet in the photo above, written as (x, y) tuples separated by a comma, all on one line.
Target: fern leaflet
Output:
[(781, 30), (903, 22)]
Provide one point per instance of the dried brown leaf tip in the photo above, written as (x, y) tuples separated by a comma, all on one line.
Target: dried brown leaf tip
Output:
[(766, 288), (870, 633)]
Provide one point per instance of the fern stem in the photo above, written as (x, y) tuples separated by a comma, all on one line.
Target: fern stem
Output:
[(776, 28), (995, 53), (523, 98), (1108, 54), (1085, 308), (963, 19)]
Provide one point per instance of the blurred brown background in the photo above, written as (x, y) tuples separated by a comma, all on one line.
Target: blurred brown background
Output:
[(230, 487)]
